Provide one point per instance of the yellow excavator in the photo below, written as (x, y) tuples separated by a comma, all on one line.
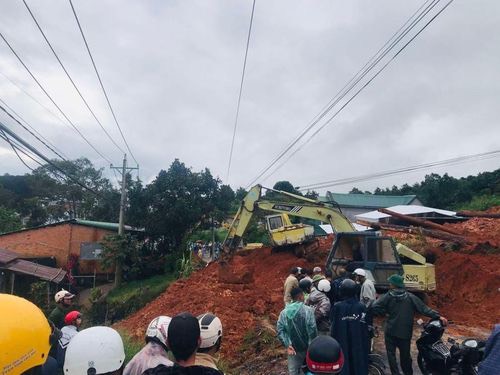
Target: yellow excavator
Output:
[(378, 255)]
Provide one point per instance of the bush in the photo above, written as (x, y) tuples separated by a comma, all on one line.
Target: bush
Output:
[(480, 203)]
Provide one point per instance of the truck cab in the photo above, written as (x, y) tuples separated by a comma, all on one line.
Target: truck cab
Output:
[(376, 254)]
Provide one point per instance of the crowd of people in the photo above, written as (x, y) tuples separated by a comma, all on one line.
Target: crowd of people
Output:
[(342, 306), (325, 327)]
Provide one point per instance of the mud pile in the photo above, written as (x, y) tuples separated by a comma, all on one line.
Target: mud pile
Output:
[(239, 306)]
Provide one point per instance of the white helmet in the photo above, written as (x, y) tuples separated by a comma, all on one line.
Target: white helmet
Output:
[(210, 330), (324, 286), (95, 350), (360, 272), (158, 328), (62, 294)]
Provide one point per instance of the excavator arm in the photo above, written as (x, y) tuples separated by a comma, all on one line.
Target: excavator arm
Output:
[(299, 206)]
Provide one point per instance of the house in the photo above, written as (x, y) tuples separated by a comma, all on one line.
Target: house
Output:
[(58, 242), (11, 266), (355, 204), (422, 212)]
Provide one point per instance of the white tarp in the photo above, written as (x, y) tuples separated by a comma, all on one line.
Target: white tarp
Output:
[(375, 216)]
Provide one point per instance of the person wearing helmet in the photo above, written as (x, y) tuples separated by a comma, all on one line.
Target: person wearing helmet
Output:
[(184, 339), (96, 350), (24, 336), (296, 328), (321, 303), (64, 300), (155, 351), (324, 356), (367, 294), (350, 329), (305, 285), (73, 321), (211, 339), (400, 307), (292, 281)]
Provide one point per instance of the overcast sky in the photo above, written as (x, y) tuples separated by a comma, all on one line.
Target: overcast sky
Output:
[(172, 70)]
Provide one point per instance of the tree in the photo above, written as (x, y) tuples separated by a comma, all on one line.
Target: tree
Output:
[(9, 220), (286, 186), (355, 190)]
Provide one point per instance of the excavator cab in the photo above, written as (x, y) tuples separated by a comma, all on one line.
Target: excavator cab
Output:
[(283, 232), (376, 254)]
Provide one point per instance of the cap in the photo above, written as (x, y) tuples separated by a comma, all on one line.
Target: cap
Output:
[(318, 278), (396, 280), (360, 272), (316, 269)]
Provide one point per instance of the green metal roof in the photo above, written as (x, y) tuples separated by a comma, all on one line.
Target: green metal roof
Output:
[(368, 200)]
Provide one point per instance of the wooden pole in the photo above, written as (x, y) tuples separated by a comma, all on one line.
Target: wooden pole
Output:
[(416, 230), (478, 214), (419, 222)]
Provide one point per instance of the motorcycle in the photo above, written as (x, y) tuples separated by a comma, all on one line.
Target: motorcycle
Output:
[(436, 357)]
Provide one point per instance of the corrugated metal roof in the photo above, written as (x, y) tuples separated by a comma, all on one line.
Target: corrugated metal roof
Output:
[(9, 261), (7, 256), (368, 200), (405, 210)]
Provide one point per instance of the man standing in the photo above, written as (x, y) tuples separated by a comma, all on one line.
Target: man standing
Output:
[(292, 281), (64, 300), (349, 328), (367, 293), (296, 329), (400, 306)]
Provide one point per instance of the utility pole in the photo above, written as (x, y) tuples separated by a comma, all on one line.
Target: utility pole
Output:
[(121, 220)]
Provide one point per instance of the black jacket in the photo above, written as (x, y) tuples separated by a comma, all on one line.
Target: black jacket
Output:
[(179, 370), (351, 331)]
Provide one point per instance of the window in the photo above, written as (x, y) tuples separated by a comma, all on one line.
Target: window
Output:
[(275, 222), (380, 250)]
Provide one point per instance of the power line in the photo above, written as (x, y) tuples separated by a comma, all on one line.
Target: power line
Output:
[(34, 99), (241, 90), (35, 151), (343, 92), (378, 175), (47, 143), (52, 100), (100, 81), (71, 79), (4, 136)]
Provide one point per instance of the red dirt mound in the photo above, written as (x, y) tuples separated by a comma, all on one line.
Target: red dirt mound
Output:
[(468, 288), (239, 306)]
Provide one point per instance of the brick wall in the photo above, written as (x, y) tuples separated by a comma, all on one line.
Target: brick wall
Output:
[(55, 241)]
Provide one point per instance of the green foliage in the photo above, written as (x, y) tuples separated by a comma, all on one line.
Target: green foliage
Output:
[(256, 231), (123, 249), (9, 220), (448, 192), (126, 299), (185, 264), (480, 203), (38, 295), (206, 235)]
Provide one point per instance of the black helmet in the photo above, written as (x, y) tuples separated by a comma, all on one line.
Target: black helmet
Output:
[(305, 285), (348, 288), (324, 355)]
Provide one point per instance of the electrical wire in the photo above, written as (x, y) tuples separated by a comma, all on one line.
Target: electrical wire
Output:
[(36, 152), (70, 78), (379, 55), (52, 100), (341, 95), (100, 81), (241, 90), (4, 136), (38, 136), (378, 175)]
